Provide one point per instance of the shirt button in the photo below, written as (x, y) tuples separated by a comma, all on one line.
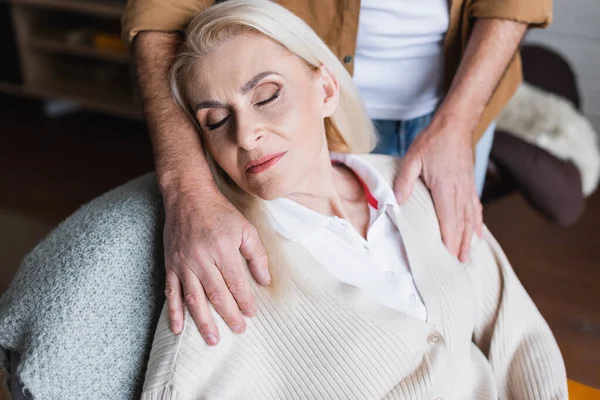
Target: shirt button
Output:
[(434, 338), (348, 59), (412, 298), (390, 275)]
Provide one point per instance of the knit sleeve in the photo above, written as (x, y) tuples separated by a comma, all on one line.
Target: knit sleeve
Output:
[(159, 15), (511, 332), (537, 13)]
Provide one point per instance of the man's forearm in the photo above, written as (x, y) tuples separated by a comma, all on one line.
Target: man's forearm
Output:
[(491, 47), (178, 154)]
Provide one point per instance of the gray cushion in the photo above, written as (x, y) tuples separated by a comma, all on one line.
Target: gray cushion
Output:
[(84, 303)]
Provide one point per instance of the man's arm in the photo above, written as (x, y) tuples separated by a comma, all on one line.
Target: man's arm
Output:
[(492, 46), (178, 155), (203, 233), (443, 154)]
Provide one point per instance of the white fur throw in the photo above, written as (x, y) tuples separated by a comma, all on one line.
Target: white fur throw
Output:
[(552, 123)]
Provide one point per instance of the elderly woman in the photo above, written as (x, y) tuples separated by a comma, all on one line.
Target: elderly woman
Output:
[(366, 302)]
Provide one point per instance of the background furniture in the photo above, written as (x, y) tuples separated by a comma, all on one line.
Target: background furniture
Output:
[(550, 185), (69, 50)]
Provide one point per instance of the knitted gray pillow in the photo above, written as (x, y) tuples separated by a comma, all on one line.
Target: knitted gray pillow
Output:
[(84, 303)]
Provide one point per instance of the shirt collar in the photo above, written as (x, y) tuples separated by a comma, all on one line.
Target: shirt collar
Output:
[(296, 222), (375, 183)]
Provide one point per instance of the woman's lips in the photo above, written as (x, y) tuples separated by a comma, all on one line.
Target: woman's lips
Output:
[(262, 164)]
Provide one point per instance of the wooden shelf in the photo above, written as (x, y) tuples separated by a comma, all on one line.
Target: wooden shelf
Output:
[(57, 46), (79, 93), (12, 88), (58, 61), (106, 8)]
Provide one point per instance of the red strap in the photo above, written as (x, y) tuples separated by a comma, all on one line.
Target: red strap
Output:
[(370, 199)]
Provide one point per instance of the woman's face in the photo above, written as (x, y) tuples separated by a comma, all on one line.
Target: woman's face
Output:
[(261, 111)]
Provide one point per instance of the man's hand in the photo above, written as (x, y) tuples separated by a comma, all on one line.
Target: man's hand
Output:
[(442, 155), (203, 238)]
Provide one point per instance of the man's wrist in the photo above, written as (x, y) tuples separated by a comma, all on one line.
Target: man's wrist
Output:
[(457, 119), (172, 183)]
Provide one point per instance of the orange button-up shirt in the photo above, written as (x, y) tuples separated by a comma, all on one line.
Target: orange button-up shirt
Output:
[(336, 22)]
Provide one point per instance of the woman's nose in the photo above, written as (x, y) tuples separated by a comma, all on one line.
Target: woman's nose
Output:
[(248, 133)]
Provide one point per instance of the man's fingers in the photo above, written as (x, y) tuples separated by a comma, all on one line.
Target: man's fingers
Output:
[(197, 305), (174, 297), (253, 251), (220, 297), (238, 285), (445, 201), (467, 234), (478, 210), (410, 170)]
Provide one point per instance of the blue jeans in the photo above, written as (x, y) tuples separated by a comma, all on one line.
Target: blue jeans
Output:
[(395, 137)]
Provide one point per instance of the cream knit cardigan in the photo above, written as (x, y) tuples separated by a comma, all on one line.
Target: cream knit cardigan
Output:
[(483, 338)]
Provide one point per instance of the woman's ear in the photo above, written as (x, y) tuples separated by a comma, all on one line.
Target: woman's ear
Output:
[(330, 88)]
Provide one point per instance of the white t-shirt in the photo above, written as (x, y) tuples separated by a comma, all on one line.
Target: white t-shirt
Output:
[(377, 265), (398, 65)]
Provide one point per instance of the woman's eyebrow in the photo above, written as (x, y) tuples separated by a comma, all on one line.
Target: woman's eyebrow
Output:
[(245, 89), (254, 81), (208, 104)]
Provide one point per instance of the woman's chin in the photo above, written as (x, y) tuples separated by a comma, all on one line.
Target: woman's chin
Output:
[(270, 189), (269, 194)]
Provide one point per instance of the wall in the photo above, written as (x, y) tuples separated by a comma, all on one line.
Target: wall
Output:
[(575, 34)]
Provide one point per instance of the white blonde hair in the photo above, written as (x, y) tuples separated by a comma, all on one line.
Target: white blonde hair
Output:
[(349, 129)]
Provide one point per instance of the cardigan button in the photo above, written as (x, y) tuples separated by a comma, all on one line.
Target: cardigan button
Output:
[(434, 338)]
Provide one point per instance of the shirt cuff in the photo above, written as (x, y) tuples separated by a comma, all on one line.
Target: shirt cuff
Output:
[(159, 15), (537, 13)]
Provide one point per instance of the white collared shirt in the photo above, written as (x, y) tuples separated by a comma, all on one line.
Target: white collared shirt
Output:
[(377, 265)]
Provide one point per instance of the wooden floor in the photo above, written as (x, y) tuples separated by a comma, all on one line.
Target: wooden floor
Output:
[(49, 167), (560, 268)]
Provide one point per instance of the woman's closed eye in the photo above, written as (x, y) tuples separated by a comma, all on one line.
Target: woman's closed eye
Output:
[(273, 97), (263, 95), (266, 93), (216, 119)]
